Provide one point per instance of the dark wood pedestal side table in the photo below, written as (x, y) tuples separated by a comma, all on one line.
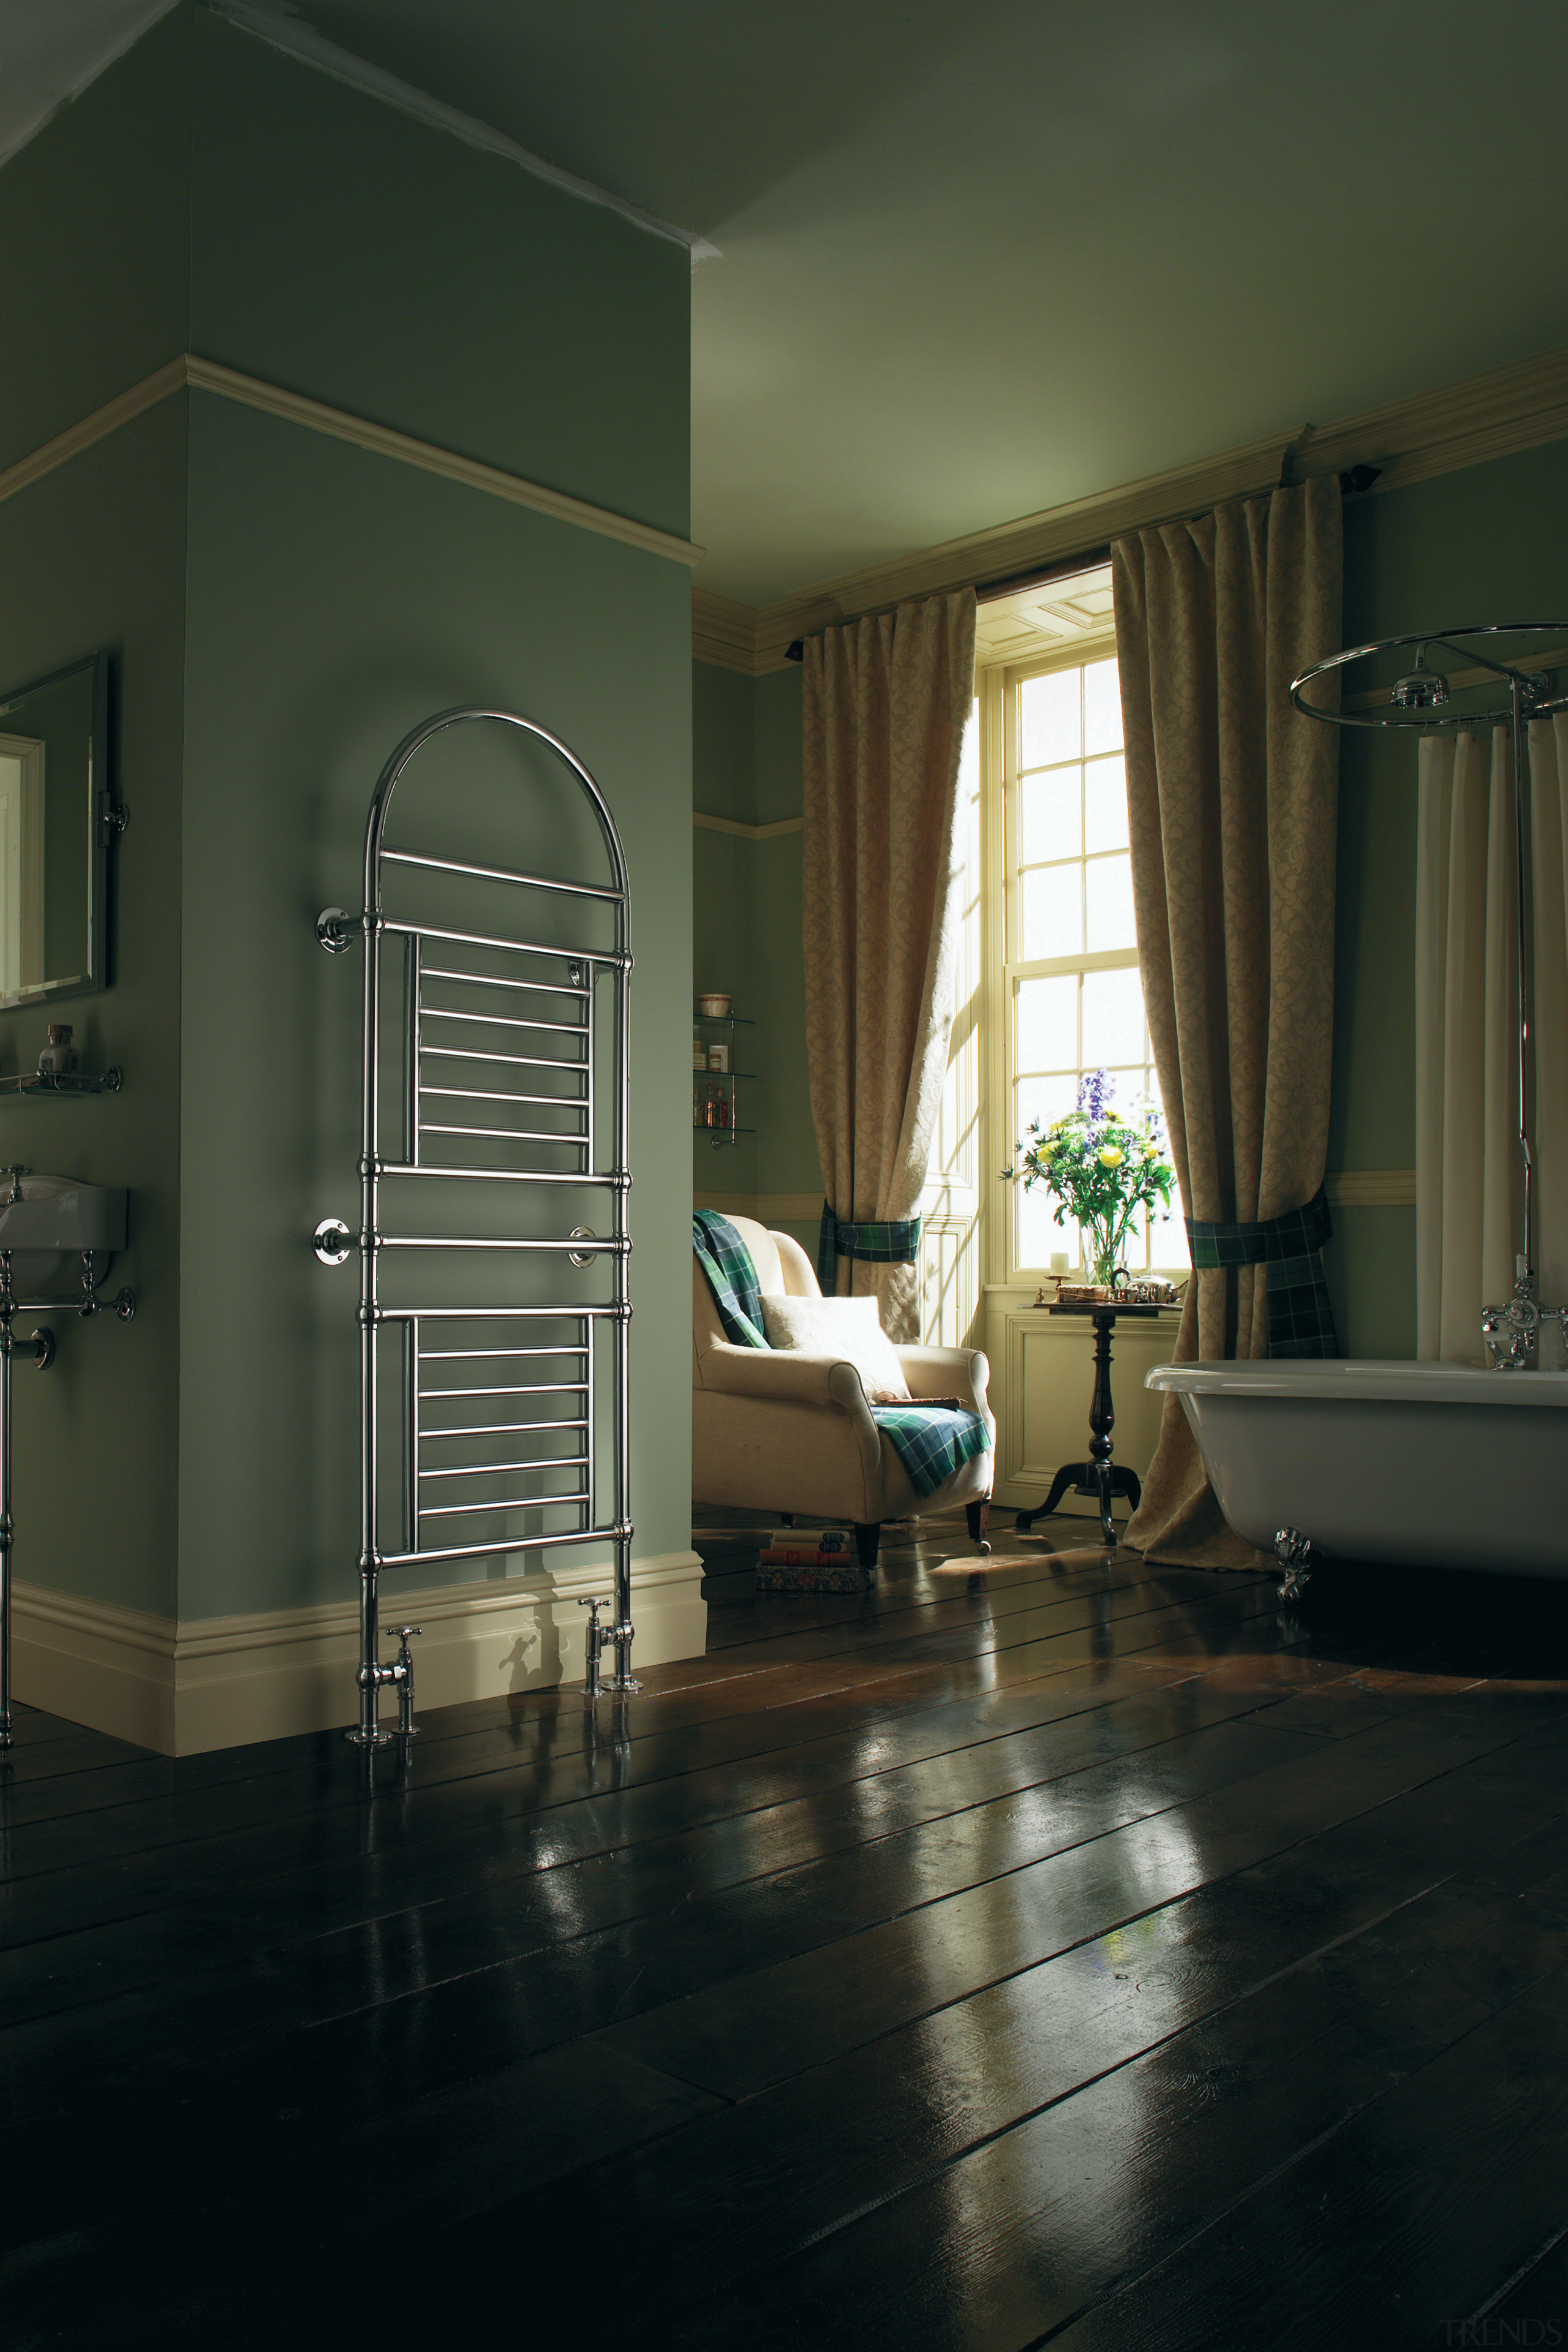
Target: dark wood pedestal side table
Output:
[(1097, 1477)]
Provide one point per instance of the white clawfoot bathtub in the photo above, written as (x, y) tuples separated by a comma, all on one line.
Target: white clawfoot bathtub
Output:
[(1431, 1466)]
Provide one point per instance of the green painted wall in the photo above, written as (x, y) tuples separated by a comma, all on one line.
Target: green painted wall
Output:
[(351, 251), (94, 556), (281, 607), (746, 914), (335, 599), (787, 1130), (95, 217)]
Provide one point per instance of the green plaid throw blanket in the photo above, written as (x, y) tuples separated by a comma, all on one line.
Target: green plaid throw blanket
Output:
[(930, 1441), (732, 1278), (1301, 1319)]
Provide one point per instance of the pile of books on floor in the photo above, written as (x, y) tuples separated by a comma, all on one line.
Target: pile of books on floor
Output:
[(809, 1560)]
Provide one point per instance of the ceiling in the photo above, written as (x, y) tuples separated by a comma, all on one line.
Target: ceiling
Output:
[(978, 261)]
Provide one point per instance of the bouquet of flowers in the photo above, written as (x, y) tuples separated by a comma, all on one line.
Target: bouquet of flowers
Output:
[(1100, 1168)]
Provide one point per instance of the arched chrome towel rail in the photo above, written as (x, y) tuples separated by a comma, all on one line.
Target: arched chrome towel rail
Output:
[(550, 993)]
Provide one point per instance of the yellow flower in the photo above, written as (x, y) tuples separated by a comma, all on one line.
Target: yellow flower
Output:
[(1110, 1157)]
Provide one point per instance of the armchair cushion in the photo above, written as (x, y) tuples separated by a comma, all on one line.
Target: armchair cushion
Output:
[(846, 1328)]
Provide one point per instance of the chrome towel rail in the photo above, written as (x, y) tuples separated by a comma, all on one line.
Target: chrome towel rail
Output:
[(467, 1021)]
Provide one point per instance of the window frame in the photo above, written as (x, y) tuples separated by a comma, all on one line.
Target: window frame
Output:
[(997, 689)]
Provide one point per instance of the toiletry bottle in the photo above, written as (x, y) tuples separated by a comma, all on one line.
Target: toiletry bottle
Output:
[(58, 1056)]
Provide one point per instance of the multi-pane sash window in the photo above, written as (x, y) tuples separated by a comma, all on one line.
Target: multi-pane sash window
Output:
[(1073, 995)]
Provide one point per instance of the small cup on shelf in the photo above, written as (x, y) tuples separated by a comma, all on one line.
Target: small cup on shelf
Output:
[(714, 1007)]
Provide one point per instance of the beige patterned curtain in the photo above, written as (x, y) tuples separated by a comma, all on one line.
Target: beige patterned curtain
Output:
[(886, 699), (1232, 799), (1469, 1195)]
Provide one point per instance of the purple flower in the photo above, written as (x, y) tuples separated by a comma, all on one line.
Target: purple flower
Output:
[(1094, 1091)]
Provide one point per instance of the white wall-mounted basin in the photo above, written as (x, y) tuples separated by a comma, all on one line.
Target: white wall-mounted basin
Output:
[(50, 1227)]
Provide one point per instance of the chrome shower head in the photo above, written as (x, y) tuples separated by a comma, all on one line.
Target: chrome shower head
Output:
[(1421, 689)]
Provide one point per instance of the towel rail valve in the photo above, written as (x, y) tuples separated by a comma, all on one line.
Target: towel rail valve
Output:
[(400, 1672), (594, 1643), (593, 1646)]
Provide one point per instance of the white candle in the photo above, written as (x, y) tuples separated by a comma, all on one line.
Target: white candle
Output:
[(1059, 1261)]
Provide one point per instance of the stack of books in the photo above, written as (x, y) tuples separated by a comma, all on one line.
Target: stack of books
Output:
[(809, 1560)]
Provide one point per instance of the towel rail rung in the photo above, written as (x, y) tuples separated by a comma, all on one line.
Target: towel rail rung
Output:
[(503, 874), (535, 1387), (509, 1502), (502, 1135), (501, 980), (495, 1469), (499, 1429)]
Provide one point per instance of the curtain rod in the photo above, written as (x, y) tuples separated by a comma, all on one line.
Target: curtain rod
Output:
[(1353, 483)]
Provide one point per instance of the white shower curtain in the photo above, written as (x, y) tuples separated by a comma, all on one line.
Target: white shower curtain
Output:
[(1469, 1191)]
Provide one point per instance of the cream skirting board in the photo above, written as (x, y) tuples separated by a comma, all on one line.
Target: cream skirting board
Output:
[(222, 1682)]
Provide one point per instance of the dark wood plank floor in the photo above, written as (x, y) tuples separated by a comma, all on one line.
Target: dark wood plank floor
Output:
[(1047, 1949)]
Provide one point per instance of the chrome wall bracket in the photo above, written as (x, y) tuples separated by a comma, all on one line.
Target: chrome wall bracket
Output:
[(336, 929), (1297, 1556), (331, 1241), (92, 1300)]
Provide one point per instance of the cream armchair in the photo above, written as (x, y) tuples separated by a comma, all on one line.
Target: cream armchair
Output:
[(779, 1429)]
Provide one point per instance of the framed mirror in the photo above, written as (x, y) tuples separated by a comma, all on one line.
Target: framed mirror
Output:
[(56, 816)]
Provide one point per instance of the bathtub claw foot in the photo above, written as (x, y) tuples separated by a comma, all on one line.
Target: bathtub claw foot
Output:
[(1295, 1553)]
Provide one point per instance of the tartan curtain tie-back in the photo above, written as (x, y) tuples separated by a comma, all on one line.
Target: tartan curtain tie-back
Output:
[(1301, 1318), (895, 1243)]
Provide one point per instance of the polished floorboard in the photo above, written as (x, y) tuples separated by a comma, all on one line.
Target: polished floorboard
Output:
[(1044, 1949)]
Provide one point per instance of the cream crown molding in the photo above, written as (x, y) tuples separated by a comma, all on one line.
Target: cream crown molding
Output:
[(189, 372), (725, 634), (297, 40), (1520, 406), (737, 826)]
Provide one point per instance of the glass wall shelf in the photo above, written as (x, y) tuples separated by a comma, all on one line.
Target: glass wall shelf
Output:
[(720, 1085), (65, 1082)]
